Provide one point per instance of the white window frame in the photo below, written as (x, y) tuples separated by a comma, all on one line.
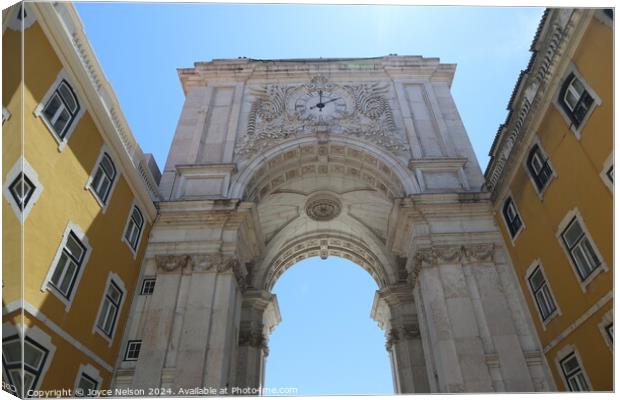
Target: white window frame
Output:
[(18, 25), (91, 372), (104, 205), (112, 277), (38, 112), (21, 165), (513, 239), (71, 227), (541, 192), (37, 335), (5, 115), (544, 322), (606, 166), (607, 319), (129, 342), (561, 355), (574, 213), (134, 252), (572, 69)]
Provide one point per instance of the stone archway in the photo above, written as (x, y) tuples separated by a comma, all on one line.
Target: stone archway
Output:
[(258, 178)]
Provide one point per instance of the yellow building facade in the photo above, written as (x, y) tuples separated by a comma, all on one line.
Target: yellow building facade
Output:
[(77, 207), (551, 178)]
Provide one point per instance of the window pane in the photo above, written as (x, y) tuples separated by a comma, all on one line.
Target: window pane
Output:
[(62, 122), (107, 166), (570, 364), (33, 356), (137, 217), (572, 233), (110, 320), (12, 351), (102, 189), (578, 86), (104, 314), (60, 267), (571, 99), (582, 264), (536, 279), (68, 278), (67, 96), (130, 228), (74, 247), (589, 252), (114, 293), (29, 379), (16, 377), (52, 106)]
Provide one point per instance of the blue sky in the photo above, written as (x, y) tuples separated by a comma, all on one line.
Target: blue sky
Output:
[(327, 343)]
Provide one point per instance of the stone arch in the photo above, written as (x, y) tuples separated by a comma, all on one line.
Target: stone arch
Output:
[(324, 244), (308, 155)]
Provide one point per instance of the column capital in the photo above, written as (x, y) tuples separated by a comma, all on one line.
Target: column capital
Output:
[(401, 331), (431, 256)]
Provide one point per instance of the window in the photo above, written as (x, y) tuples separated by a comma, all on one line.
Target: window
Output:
[(110, 308), (148, 285), (575, 99), (134, 228), (580, 249), (609, 329), (103, 178), (573, 374), (34, 360), (61, 109), (513, 221), (68, 267), (539, 168), (610, 173), (541, 293), (133, 350), (22, 189), (86, 385)]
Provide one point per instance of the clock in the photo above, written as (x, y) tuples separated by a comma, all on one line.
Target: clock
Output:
[(322, 106)]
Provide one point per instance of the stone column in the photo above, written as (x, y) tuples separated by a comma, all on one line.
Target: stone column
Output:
[(452, 333), (158, 326), (259, 316), (395, 311), (466, 302), (205, 348)]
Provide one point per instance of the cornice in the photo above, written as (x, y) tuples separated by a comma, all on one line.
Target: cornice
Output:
[(244, 69), (65, 31), (560, 29)]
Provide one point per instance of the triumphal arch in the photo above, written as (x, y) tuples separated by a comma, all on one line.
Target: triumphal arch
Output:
[(274, 161)]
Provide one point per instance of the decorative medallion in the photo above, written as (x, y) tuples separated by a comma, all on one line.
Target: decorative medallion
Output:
[(323, 207)]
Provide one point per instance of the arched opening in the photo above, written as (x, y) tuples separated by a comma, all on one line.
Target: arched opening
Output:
[(327, 344)]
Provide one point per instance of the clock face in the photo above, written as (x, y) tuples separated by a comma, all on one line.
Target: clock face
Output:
[(322, 105)]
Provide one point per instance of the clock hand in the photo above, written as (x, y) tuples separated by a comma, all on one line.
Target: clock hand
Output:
[(320, 104), (329, 101)]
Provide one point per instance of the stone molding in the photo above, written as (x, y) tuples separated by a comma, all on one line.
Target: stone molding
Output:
[(197, 263), (403, 332), (450, 254)]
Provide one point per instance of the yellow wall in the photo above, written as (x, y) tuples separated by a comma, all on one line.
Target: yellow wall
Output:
[(65, 198), (11, 150), (577, 164)]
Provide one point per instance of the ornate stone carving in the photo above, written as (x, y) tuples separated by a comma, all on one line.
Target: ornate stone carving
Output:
[(218, 262), (172, 263), (405, 332), (252, 337), (449, 254), (323, 207), (276, 115)]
